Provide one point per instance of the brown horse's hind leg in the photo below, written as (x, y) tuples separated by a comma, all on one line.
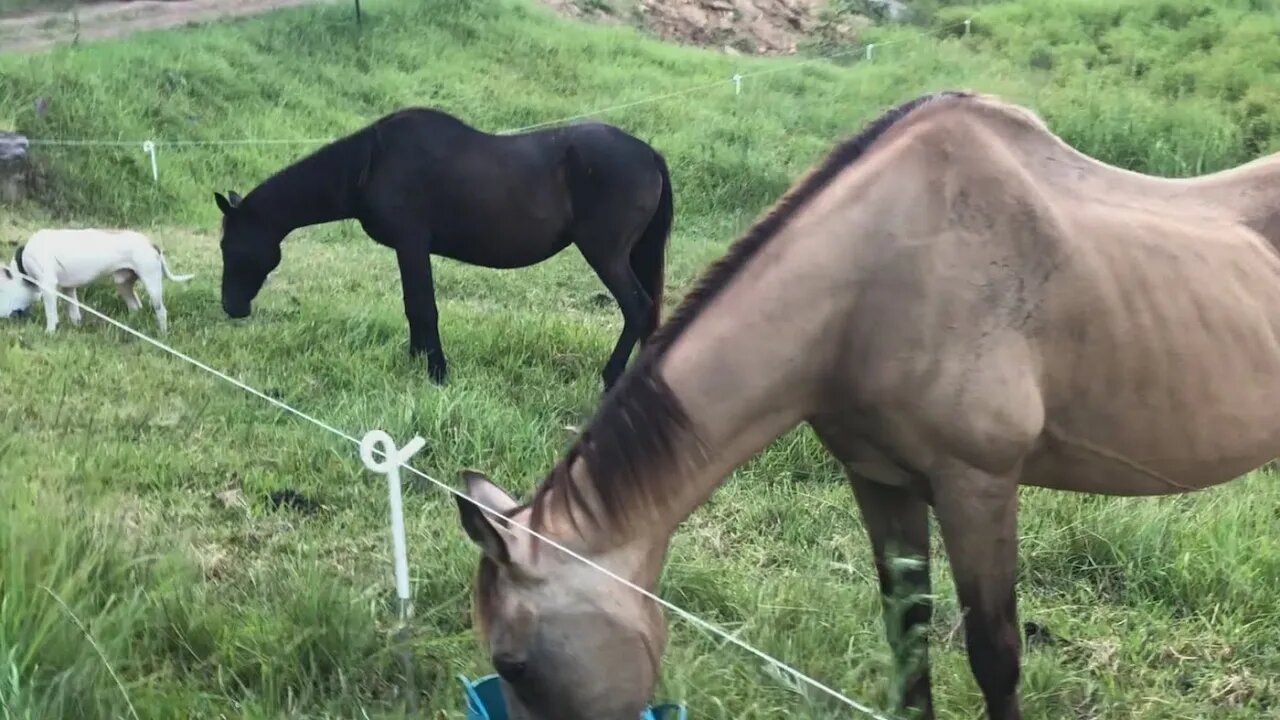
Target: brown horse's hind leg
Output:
[(897, 522), (977, 513)]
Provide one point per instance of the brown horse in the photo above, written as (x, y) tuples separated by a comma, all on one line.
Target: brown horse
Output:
[(958, 303)]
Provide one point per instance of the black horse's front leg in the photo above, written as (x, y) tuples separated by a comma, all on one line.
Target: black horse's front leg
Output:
[(420, 308)]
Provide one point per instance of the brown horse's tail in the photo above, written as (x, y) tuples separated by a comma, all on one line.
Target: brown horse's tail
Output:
[(648, 257)]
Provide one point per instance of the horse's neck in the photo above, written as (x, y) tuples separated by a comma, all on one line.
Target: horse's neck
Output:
[(745, 370), (742, 380), (319, 188)]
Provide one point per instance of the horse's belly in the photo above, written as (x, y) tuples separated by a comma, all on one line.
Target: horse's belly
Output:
[(508, 228), (500, 248), (1084, 464)]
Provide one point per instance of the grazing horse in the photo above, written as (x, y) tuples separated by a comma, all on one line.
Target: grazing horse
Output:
[(958, 303), (424, 183)]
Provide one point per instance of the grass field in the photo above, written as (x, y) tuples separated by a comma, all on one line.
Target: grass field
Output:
[(111, 453)]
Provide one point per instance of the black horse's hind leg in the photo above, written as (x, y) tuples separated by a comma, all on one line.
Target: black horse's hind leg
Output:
[(621, 280), (420, 307)]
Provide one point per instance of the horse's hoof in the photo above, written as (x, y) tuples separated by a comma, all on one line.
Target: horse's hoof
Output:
[(437, 374)]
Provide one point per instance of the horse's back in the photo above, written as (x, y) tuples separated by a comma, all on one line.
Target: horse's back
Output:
[(1136, 337), (482, 199), (505, 200)]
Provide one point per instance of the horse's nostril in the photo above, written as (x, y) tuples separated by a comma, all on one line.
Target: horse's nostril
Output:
[(508, 667)]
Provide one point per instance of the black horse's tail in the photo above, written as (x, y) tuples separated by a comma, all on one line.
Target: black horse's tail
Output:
[(648, 257)]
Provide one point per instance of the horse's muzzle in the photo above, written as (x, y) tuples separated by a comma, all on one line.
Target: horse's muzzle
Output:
[(236, 311)]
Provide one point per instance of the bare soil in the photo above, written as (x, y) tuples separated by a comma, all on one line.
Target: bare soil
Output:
[(763, 27)]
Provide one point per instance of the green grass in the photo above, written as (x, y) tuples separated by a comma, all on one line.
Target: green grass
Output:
[(111, 452)]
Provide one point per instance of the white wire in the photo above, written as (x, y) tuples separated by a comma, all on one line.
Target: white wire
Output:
[(688, 616), (601, 111)]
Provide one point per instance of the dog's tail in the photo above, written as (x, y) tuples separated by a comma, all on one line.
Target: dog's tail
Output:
[(164, 265)]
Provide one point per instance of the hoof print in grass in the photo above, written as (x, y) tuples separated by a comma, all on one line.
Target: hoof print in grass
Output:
[(230, 499), (1039, 635), (293, 500)]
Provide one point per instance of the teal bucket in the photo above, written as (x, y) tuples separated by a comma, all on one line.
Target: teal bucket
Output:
[(485, 702)]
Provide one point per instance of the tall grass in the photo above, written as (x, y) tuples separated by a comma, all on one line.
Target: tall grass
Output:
[(49, 665)]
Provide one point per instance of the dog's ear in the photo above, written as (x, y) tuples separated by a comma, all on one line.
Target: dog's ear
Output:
[(223, 204), (234, 197)]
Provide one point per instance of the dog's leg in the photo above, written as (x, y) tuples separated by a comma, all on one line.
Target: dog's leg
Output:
[(153, 281), (124, 286), (73, 307), (50, 309)]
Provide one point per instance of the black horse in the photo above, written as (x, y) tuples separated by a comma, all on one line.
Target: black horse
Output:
[(423, 182)]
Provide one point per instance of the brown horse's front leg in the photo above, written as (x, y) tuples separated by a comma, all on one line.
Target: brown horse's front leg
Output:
[(897, 522), (977, 513)]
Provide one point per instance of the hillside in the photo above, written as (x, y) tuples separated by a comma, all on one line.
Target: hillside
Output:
[(136, 489), (1108, 77), (752, 26)]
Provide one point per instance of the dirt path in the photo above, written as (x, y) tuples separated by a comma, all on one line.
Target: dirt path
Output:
[(40, 30)]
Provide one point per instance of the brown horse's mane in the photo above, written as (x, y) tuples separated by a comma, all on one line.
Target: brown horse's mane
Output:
[(630, 447)]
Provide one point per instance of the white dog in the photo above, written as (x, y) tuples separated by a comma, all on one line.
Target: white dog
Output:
[(70, 259)]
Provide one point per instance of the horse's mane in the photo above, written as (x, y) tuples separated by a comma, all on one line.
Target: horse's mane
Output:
[(631, 446), (343, 165)]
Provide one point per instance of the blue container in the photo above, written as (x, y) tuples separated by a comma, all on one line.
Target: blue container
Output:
[(485, 702)]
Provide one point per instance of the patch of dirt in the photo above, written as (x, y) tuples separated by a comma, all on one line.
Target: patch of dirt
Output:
[(758, 27), (107, 19)]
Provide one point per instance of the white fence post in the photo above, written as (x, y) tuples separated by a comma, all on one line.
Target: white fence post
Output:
[(389, 466)]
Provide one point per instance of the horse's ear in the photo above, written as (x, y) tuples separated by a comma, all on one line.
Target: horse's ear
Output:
[(234, 197), (479, 525), (223, 204)]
